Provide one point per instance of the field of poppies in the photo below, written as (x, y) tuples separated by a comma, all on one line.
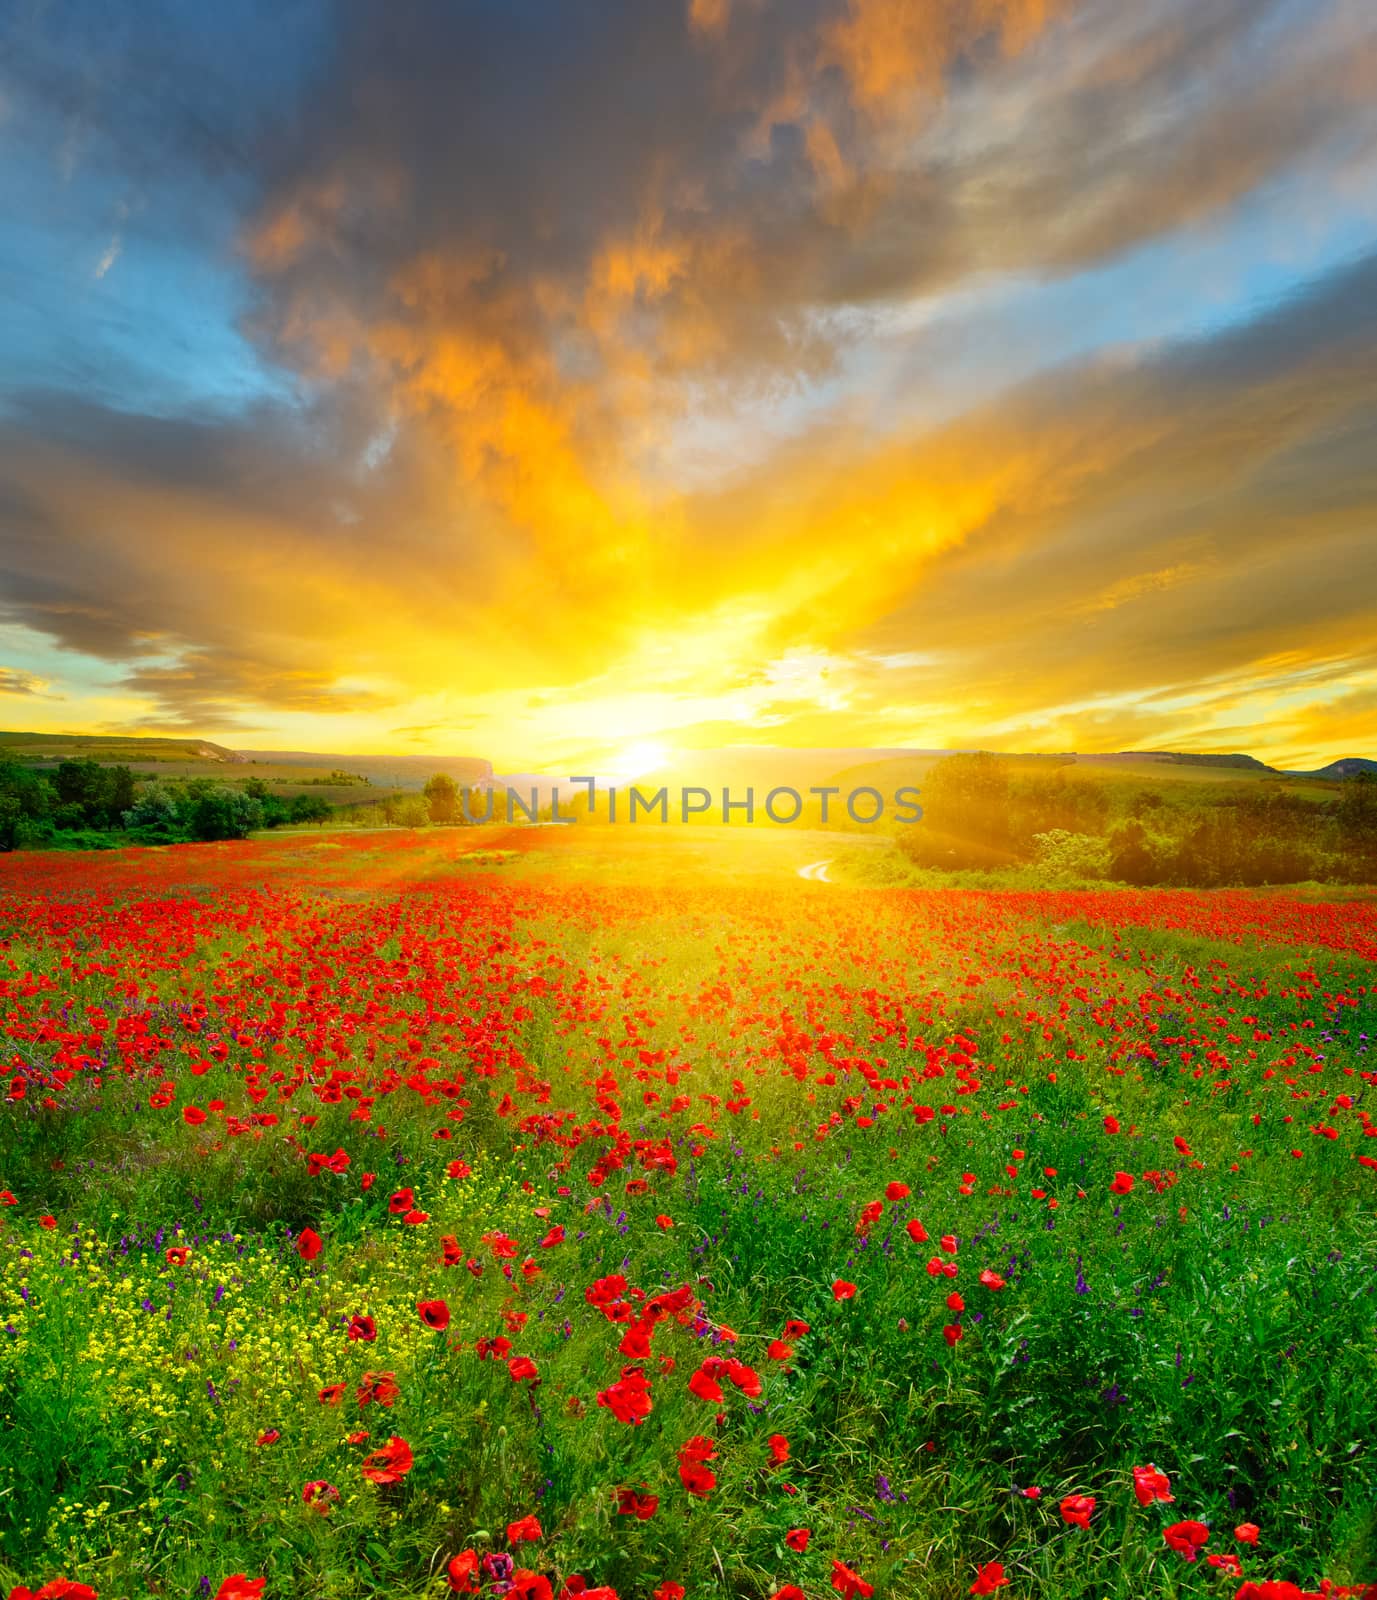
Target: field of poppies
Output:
[(386, 1215)]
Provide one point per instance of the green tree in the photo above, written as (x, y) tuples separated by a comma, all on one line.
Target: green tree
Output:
[(442, 796), (966, 809), (1357, 818), (309, 808), (1131, 856), (101, 793), (215, 811), (11, 821), (155, 808), (26, 804)]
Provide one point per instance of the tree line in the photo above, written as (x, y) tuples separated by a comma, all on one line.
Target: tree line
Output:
[(88, 804), (982, 811)]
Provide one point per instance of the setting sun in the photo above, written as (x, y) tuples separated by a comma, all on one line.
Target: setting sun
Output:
[(639, 759)]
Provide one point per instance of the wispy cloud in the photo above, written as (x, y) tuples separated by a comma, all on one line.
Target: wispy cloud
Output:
[(109, 257), (14, 680)]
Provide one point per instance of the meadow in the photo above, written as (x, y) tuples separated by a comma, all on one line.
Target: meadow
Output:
[(493, 1213)]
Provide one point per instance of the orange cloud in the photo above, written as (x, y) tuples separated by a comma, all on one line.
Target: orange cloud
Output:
[(895, 52)]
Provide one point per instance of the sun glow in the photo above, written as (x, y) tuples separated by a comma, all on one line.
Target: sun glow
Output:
[(640, 757)]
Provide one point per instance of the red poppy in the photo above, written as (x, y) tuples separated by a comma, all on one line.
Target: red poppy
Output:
[(362, 1329), (641, 1506), (1149, 1484), (434, 1314), (777, 1350), (1186, 1538), (378, 1388), (628, 1399), (1228, 1562), (527, 1585), (793, 1329), (522, 1368), (895, 1190), (953, 1333), (390, 1464), (779, 1449), (193, 1116), (947, 1244), (797, 1538), (401, 1202), (955, 1302), (47, 1222), (1077, 1509), (635, 1342), (524, 1529), (603, 1291), (308, 1244), (331, 1394), (319, 1494), (268, 1436), (1121, 1182), (790, 1591), (462, 1572), (359, 1436), (743, 1377), (1111, 1124), (848, 1583), (1247, 1532), (992, 1280), (988, 1578), (240, 1587), (698, 1480), (842, 1290), (669, 1590), (177, 1255), (55, 1589), (554, 1237), (704, 1387), (916, 1231)]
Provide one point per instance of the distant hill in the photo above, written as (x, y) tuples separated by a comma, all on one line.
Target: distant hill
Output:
[(396, 772), (759, 766), (1345, 767), (1179, 758), (117, 747)]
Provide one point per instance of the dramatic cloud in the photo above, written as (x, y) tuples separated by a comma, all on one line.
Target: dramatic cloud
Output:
[(15, 681), (547, 405)]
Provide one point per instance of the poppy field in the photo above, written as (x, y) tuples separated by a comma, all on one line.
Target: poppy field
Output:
[(394, 1218)]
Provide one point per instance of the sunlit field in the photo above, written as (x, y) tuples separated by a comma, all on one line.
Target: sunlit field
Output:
[(550, 1213)]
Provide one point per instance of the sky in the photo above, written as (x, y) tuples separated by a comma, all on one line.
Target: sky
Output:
[(574, 383)]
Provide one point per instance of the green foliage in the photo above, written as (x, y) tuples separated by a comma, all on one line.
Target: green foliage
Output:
[(442, 796), (215, 811), (89, 805), (983, 812), (96, 794), (1075, 856)]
